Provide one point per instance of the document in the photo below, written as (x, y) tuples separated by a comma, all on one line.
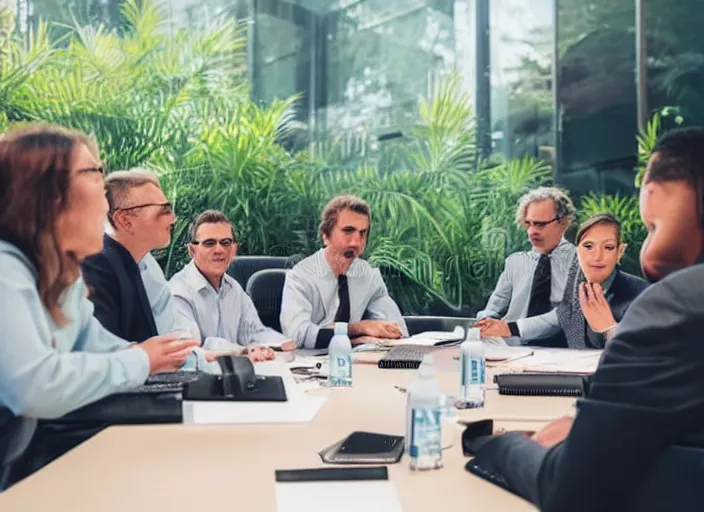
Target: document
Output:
[(430, 338), (556, 360), (350, 496)]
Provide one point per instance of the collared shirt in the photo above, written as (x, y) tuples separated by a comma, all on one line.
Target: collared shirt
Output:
[(48, 370), (228, 314), (310, 298), (161, 301), (511, 296), (167, 315)]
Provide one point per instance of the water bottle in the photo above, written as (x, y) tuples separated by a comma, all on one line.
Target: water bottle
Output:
[(424, 419), (472, 370), (340, 353)]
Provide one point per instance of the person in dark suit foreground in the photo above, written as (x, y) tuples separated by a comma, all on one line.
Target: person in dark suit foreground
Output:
[(647, 394)]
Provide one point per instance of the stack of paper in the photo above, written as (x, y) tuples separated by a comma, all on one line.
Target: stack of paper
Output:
[(299, 408), (549, 360), (430, 338), (505, 353)]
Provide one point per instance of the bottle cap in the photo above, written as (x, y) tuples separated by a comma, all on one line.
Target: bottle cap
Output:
[(340, 328)]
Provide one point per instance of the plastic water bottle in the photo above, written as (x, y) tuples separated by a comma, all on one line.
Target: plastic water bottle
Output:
[(472, 370), (340, 353), (424, 419)]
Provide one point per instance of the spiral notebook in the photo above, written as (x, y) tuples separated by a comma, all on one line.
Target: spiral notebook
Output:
[(541, 384)]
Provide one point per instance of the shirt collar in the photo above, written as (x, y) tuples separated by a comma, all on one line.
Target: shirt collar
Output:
[(562, 245), (353, 271), (606, 285), (197, 280)]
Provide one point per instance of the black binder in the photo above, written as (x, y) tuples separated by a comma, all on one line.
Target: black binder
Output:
[(541, 384)]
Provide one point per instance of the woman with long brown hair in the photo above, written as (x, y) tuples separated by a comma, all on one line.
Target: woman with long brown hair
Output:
[(54, 356)]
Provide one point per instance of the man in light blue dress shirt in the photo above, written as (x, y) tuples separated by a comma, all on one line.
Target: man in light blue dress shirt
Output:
[(335, 285), (215, 302), (520, 308)]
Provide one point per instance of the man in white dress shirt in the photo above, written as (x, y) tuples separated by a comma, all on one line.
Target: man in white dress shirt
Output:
[(335, 285), (205, 294), (533, 282)]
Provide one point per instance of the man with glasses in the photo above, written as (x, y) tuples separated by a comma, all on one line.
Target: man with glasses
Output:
[(127, 285), (533, 282), (214, 301)]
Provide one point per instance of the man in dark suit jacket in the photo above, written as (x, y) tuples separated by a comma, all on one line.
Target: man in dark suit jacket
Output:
[(126, 284), (647, 394)]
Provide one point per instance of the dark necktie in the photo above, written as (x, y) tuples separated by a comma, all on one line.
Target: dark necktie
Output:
[(343, 292), (540, 289)]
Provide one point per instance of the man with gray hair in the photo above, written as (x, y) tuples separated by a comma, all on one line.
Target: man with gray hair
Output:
[(128, 287), (335, 285), (533, 282)]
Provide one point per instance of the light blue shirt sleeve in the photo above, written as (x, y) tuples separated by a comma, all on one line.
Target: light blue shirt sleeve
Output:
[(297, 310), (47, 371), (251, 327), (538, 327), (162, 304), (500, 298)]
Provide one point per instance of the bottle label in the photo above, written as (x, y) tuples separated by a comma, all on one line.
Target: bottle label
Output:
[(476, 371), (425, 432), (340, 370), (472, 370)]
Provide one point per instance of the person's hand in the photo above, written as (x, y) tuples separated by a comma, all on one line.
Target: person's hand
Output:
[(288, 346), (376, 329), (167, 353), (490, 327), (596, 310), (554, 432), (257, 353)]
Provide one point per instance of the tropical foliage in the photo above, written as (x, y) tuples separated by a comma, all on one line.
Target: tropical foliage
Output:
[(443, 222)]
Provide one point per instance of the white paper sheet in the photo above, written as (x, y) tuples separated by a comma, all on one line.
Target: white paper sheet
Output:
[(357, 496), (430, 338), (558, 361), (505, 353), (300, 407)]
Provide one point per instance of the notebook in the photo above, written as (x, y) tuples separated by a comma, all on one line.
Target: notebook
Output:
[(541, 384), (404, 357)]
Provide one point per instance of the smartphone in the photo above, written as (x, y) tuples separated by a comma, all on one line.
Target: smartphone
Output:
[(359, 443)]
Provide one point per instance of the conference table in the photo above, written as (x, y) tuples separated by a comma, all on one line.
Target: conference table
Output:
[(231, 467)]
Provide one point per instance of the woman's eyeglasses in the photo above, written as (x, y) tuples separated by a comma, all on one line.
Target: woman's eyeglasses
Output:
[(209, 243)]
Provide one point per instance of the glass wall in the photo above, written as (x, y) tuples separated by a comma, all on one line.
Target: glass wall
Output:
[(439, 112), (596, 100), (674, 51)]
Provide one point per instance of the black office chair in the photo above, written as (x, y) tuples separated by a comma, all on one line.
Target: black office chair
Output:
[(265, 288), (244, 267), (418, 324), (15, 434)]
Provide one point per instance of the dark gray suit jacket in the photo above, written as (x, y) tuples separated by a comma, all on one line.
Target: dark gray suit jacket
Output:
[(646, 396)]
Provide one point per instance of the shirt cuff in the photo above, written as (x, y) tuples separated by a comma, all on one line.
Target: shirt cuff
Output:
[(513, 328), (325, 334)]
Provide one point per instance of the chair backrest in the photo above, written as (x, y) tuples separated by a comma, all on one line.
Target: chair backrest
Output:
[(15, 434), (245, 266), (265, 288), (676, 482), (418, 324)]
